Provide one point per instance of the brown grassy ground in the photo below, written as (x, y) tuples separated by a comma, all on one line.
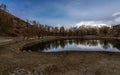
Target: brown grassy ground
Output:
[(15, 62)]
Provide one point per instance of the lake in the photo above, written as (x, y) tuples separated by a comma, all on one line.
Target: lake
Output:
[(102, 45)]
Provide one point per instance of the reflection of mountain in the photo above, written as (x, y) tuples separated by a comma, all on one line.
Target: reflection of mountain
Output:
[(62, 43)]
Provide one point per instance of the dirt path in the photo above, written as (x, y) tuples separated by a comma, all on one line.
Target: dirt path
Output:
[(9, 40)]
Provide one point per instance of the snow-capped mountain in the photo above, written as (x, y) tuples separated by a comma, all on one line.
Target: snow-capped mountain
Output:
[(91, 24)]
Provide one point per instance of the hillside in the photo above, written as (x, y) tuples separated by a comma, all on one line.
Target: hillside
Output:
[(11, 25)]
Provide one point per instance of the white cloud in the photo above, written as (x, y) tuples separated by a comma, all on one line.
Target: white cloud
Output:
[(117, 17), (74, 11), (116, 14), (115, 20)]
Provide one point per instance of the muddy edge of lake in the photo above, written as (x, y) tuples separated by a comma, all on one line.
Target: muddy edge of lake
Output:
[(63, 63)]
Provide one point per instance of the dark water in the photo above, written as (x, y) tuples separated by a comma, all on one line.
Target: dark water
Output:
[(107, 45)]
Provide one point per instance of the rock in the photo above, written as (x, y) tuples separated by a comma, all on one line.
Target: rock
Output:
[(29, 51), (22, 71)]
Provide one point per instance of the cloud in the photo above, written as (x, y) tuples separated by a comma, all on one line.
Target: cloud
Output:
[(115, 19), (82, 10), (116, 14), (66, 12)]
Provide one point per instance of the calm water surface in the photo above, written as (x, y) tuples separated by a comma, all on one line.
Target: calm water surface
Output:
[(76, 45)]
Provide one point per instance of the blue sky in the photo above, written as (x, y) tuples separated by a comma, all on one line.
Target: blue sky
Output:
[(66, 12)]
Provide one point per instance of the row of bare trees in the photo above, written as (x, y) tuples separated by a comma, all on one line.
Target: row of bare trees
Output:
[(38, 30)]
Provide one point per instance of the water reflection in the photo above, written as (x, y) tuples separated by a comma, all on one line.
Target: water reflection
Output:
[(76, 45)]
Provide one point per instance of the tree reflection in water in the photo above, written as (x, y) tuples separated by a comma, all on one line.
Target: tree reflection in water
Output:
[(68, 42)]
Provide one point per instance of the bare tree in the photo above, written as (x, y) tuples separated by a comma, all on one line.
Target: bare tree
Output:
[(3, 7), (62, 31)]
